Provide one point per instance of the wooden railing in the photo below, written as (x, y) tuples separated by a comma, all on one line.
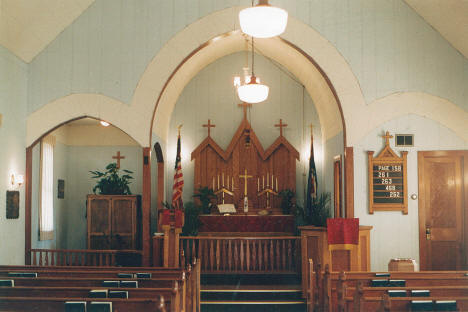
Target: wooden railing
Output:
[(243, 254), (74, 257)]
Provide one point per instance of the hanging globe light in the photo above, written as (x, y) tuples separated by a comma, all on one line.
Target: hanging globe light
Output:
[(263, 20)]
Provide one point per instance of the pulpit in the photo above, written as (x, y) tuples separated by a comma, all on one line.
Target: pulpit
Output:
[(344, 257)]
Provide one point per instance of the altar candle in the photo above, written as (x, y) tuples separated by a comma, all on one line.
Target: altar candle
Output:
[(227, 178), (218, 181), (268, 179), (223, 178), (272, 185), (277, 184), (213, 184), (232, 184), (258, 184), (263, 182)]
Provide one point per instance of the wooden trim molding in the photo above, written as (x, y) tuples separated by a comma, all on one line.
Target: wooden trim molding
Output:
[(27, 208), (146, 207), (349, 182)]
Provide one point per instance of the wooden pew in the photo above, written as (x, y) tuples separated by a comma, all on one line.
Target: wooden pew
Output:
[(188, 280), (29, 304)]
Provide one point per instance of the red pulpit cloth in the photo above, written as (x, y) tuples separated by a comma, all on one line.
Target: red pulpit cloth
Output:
[(166, 217), (343, 231)]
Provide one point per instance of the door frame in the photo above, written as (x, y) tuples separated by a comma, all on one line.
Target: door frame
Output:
[(463, 154)]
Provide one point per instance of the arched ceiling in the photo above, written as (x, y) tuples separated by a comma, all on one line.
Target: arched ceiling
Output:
[(276, 49)]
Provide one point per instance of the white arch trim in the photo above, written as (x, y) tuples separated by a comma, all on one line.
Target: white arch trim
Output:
[(78, 105), (423, 104)]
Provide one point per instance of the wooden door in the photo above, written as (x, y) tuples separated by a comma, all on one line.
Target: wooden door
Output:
[(123, 223), (99, 223), (443, 194)]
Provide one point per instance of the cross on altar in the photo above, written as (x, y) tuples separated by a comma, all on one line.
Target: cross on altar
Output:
[(245, 177), (118, 157), (387, 137), (209, 126), (244, 107), (281, 125)]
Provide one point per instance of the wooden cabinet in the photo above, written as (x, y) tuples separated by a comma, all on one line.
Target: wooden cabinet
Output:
[(113, 222)]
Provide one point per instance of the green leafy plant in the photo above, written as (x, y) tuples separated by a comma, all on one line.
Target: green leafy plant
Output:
[(205, 195), (110, 182), (167, 205), (320, 209), (192, 223), (287, 201)]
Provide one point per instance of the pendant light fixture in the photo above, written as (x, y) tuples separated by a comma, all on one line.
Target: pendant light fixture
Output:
[(263, 20), (251, 91)]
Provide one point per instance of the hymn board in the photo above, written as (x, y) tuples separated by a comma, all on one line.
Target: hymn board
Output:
[(388, 188)]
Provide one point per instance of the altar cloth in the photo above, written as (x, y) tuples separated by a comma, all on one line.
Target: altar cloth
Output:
[(247, 223)]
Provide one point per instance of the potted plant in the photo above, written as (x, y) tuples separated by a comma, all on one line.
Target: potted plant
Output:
[(320, 210), (205, 195), (288, 198), (110, 182)]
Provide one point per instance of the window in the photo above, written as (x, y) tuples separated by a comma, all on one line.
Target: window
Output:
[(404, 140), (46, 204)]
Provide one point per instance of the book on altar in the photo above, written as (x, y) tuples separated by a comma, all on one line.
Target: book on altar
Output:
[(227, 208)]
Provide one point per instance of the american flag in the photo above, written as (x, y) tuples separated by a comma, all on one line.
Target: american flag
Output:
[(178, 185)]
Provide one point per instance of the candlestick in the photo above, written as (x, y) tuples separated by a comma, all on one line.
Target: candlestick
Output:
[(277, 184), (232, 184), (213, 184), (218, 181), (272, 185), (263, 182), (227, 178), (258, 184), (223, 178), (268, 179)]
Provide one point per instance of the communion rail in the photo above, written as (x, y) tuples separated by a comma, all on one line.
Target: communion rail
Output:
[(279, 254), (74, 257)]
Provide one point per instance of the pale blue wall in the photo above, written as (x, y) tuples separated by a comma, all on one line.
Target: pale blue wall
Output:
[(388, 46), (396, 235), (211, 95), (72, 164), (13, 101), (82, 159)]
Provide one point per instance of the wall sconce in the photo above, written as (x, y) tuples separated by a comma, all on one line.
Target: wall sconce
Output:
[(17, 179)]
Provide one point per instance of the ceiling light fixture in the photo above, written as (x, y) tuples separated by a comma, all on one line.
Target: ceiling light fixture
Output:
[(104, 123), (263, 20), (251, 91)]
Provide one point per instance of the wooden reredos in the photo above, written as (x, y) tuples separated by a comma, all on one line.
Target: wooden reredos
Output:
[(215, 167)]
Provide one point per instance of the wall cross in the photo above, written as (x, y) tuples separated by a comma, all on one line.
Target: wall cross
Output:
[(387, 137), (245, 177), (118, 157), (209, 126), (281, 125)]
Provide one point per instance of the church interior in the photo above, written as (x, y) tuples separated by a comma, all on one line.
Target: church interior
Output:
[(132, 141)]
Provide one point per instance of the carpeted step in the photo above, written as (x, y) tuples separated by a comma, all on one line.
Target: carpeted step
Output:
[(250, 279), (254, 306), (251, 292)]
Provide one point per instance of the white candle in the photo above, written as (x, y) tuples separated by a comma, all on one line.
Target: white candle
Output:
[(232, 184), (213, 184), (263, 182), (268, 179), (277, 184), (223, 178), (272, 185), (218, 181), (258, 184), (227, 178)]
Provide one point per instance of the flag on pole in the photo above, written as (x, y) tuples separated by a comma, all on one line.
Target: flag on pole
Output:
[(178, 185), (312, 180)]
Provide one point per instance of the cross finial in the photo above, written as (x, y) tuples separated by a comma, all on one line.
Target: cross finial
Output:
[(281, 125), (311, 126), (118, 157), (209, 126), (178, 129), (387, 137), (244, 107)]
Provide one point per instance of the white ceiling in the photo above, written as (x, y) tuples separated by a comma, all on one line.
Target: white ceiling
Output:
[(448, 17), (28, 26)]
